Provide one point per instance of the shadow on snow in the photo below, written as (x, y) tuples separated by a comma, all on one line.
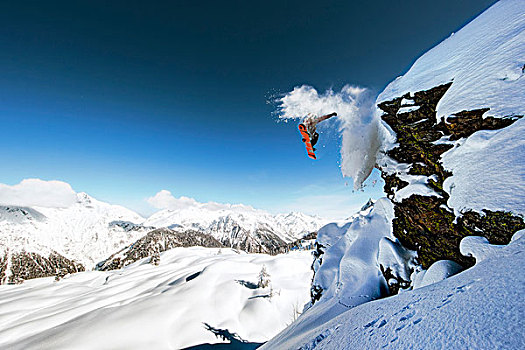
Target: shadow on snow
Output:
[(235, 342)]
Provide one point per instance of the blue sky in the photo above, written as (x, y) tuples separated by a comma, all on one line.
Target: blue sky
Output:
[(124, 99)]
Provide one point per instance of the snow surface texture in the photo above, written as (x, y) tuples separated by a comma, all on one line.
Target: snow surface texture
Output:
[(485, 60), (349, 273), (438, 271), (489, 170), (359, 125), (158, 307), (480, 308)]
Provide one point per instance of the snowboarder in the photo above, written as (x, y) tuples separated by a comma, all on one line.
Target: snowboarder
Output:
[(311, 122), (308, 131)]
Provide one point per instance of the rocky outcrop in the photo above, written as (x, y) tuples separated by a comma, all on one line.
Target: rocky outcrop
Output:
[(154, 243), (24, 265), (425, 223)]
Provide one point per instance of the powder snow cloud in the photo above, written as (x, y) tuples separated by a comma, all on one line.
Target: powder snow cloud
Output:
[(359, 125), (36, 192)]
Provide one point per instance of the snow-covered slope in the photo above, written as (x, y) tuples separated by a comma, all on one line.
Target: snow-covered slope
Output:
[(158, 307), (454, 169), (225, 224), (480, 308), (485, 61), (350, 257), (87, 231)]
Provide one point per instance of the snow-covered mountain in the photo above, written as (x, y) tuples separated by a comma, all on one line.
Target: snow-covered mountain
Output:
[(236, 223), (81, 235), (86, 232)]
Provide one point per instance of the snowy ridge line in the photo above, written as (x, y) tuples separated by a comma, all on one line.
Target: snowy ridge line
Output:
[(90, 231), (222, 223), (86, 231), (485, 56)]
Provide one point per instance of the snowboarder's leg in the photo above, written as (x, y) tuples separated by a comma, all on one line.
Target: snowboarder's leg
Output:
[(314, 138)]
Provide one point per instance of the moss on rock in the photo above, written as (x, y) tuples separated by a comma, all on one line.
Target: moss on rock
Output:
[(425, 223)]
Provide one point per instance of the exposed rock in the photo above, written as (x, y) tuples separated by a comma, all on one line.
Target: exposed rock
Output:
[(394, 282), (425, 223), (129, 226), (155, 259)]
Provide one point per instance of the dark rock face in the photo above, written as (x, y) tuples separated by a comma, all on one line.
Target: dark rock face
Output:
[(25, 265), (155, 242), (316, 291), (425, 223), (394, 282)]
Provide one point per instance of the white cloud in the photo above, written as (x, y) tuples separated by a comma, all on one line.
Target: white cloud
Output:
[(36, 192), (165, 200)]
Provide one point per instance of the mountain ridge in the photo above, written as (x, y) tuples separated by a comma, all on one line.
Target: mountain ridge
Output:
[(90, 231)]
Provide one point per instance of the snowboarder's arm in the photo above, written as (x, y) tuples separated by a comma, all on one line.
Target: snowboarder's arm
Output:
[(324, 117)]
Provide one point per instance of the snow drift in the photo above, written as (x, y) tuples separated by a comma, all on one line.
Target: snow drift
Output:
[(348, 266), (159, 307), (480, 308)]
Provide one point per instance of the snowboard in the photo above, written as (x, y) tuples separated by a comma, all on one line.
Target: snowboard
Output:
[(306, 140)]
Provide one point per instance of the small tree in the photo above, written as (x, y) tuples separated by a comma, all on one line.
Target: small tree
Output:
[(264, 278)]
